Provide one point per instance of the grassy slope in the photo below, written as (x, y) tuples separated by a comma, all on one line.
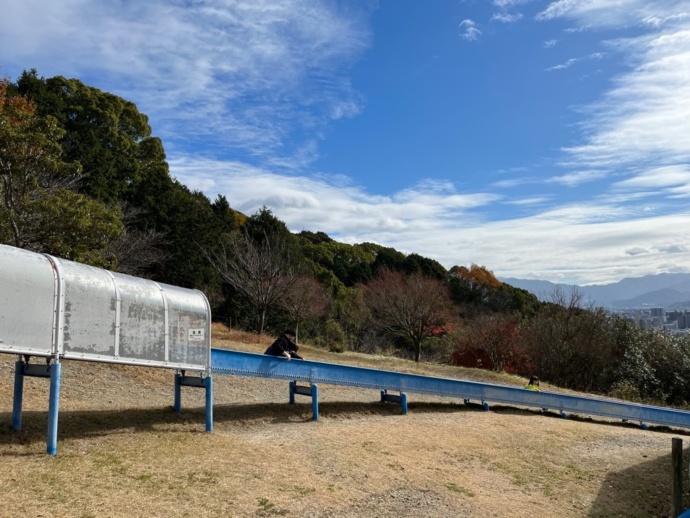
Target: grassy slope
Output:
[(123, 452)]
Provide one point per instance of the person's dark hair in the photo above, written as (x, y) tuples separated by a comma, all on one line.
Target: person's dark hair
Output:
[(533, 379), (290, 332)]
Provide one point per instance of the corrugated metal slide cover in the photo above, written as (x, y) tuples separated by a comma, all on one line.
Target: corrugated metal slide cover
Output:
[(27, 302), (106, 316)]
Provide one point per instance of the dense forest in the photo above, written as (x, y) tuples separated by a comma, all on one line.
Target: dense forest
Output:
[(81, 177)]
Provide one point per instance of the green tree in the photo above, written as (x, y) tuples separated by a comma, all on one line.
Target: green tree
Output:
[(416, 263), (106, 134), (123, 165), (38, 209)]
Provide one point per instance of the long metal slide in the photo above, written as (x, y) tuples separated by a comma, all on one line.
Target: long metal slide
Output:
[(259, 365), (52, 309)]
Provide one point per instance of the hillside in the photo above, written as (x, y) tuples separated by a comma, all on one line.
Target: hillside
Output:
[(123, 452)]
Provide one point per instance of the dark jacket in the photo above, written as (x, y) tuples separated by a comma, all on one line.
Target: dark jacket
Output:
[(282, 345)]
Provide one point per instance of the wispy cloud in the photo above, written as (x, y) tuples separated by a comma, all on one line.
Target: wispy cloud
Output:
[(578, 177), (509, 3), (644, 118), (529, 201), (670, 181), (504, 14), (572, 61), (563, 66), (470, 30), (506, 17), (550, 44), (615, 13), (243, 74)]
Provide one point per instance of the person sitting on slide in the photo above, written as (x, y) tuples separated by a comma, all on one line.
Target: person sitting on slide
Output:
[(533, 384), (285, 346)]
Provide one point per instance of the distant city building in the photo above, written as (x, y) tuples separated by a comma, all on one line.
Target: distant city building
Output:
[(675, 322)]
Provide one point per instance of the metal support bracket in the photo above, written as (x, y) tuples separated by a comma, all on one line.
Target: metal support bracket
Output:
[(312, 391), (400, 399), (36, 371)]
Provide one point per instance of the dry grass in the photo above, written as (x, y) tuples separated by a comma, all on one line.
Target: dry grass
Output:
[(123, 452)]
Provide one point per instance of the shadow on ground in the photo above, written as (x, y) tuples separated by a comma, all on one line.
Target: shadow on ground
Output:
[(85, 423), (642, 491)]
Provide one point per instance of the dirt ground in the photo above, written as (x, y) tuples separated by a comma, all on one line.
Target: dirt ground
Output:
[(122, 451)]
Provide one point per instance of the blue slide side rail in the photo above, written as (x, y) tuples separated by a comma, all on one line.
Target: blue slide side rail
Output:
[(240, 363)]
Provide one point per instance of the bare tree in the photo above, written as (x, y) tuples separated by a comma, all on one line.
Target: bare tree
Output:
[(495, 336), (569, 343), (304, 299), (413, 306), (136, 249), (263, 271)]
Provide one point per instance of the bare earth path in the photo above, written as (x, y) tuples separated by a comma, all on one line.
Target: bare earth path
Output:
[(123, 452)]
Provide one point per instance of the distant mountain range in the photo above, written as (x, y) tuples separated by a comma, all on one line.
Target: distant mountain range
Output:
[(665, 290)]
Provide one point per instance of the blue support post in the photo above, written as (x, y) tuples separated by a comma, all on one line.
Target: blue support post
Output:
[(292, 392), (403, 401), (311, 391), (178, 393), (485, 406), (315, 402), (18, 396), (53, 406), (208, 383)]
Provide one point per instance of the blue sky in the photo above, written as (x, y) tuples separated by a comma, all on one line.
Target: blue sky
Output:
[(543, 139)]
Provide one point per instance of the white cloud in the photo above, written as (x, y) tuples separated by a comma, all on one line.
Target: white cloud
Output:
[(550, 44), (514, 182), (645, 117), (575, 178), (529, 201), (572, 61), (670, 181), (509, 3), (240, 73), (506, 17), (563, 66), (471, 32), (658, 178), (615, 13)]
